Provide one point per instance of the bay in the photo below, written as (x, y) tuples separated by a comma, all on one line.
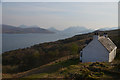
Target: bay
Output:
[(16, 41)]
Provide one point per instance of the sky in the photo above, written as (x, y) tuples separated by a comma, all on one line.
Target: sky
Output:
[(61, 15), (60, 0)]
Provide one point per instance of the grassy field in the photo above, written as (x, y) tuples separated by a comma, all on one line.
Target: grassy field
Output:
[(74, 69), (71, 68)]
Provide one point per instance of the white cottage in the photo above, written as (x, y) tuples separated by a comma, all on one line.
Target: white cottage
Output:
[(100, 49)]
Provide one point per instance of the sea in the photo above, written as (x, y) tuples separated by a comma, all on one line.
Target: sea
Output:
[(18, 41)]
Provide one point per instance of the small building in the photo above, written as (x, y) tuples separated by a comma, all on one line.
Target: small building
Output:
[(100, 49)]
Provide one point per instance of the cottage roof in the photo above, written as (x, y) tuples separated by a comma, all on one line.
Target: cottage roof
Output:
[(107, 43)]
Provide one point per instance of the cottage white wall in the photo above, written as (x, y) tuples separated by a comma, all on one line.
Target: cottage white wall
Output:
[(95, 51), (112, 54)]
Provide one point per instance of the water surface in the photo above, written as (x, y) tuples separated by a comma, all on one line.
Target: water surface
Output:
[(16, 41)]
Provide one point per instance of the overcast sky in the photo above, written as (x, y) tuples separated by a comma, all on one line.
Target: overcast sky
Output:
[(61, 15)]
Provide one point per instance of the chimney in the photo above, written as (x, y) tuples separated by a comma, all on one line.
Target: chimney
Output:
[(96, 36), (105, 35)]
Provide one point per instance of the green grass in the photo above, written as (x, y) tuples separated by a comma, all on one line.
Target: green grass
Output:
[(52, 69), (73, 69), (69, 62), (38, 75)]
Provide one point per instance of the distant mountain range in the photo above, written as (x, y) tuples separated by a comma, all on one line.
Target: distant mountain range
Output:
[(72, 30), (19, 30), (25, 26), (53, 29), (36, 29), (77, 29)]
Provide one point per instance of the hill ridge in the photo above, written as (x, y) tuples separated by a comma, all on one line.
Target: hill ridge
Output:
[(18, 30)]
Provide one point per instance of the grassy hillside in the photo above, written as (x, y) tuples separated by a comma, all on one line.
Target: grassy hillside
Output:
[(71, 68), (31, 58), (78, 70)]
